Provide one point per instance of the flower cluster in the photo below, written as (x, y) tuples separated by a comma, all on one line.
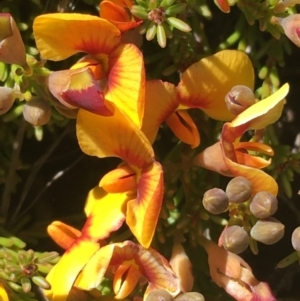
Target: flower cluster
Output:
[(146, 214)]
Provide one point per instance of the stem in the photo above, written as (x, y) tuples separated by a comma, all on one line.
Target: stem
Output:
[(17, 145)]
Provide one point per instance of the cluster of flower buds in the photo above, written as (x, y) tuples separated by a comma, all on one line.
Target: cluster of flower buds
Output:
[(19, 267), (250, 216), (163, 295), (159, 19)]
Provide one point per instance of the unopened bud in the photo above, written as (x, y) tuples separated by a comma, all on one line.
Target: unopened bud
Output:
[(239, 190), (291, 27), (215, 201), (190, 296), (239, 99), (7, 98), (263, 204), (235, 239), (296, 239), (267, 231), (37, 112), (12, 49), (179, 24), (159, 295)]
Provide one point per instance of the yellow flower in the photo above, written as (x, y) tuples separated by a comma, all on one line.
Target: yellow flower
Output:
[(128, 260), (229, 156), (112, 72)]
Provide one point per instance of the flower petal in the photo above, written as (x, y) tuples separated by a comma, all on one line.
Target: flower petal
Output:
[(259, 179), (184, 128), (3, 293), (77, 88), (205, 84), (153, 266), (106, 213), (121, 179), (60, 35), (114, 136), (125, 280), (143, 211), (63, 234), (118, 13), (63, 274), (212, 158), (126, 81), (160, 102)]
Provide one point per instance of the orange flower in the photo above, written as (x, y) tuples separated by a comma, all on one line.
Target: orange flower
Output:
[(231, 272), (230, 157), (127, 260), (137, 185), (112, 72)]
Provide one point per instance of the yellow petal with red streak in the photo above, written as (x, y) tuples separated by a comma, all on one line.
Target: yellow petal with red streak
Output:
[(205, 84), (64, 273), (106, 214), (183, 126), (121, 179), (126, 81), (143, 211), (113, 136), (160, 102), (63, 234), (60, 35)]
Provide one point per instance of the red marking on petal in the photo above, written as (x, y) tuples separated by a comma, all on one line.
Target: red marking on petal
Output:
[(89, 97)]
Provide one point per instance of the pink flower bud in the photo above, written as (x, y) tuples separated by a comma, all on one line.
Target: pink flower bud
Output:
[(291, 27), (7, 98), (12, 49)]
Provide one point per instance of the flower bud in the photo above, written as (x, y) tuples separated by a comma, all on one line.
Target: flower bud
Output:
[(263, 204), (235, 239), (179, 24), (291, 27), (215, 201), (159, 295), (267, 231), (239, 99), (12, 49), (37, 112), (296, 239), (239, 190), (190, 296), (8, 97)]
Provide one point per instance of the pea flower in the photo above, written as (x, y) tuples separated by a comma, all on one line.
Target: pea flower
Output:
[(12, 49), (140, 178), (111, 72), (231, 272), (230, 157), (128, 262), (203, 85)]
